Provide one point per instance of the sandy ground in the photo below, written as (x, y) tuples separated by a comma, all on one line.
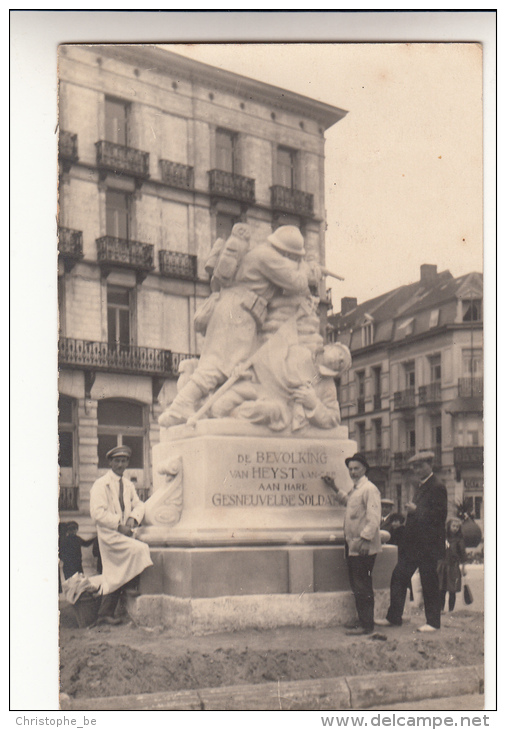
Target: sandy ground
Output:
[(129, 659)]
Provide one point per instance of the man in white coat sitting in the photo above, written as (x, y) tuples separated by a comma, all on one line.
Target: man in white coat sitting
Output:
[(117, 510)]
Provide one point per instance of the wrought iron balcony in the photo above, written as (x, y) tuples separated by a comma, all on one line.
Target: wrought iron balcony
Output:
[(178, 265), (360, 406), (177, 175), (70, 246), (67, 148), (471, 387), (378, 457), (122, 160), (401, 458), (230, 185), (290, 200), (118, 358), (113, 251), (468, 456), (404, 399), (68, 499), (430, 393)]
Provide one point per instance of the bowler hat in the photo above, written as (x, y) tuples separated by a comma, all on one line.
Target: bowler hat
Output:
[(421, 456), (357, 457), (119, 451)]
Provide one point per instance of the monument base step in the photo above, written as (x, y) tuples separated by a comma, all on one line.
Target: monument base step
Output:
[(181, 617), (211, 572)]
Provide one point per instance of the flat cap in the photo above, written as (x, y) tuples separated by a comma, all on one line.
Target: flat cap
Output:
[(119, 451), (357, 457), (421, 456)]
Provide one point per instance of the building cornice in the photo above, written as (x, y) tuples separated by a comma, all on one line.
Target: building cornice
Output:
[(176, 66)]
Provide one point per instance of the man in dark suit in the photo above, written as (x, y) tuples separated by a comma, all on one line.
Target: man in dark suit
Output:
[(423, 544)]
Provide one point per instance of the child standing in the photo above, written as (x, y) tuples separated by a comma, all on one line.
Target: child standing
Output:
[(449, 573), (70, 550)]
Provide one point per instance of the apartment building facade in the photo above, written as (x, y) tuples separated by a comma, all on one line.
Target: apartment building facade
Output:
[(417, 382), (159, 155)]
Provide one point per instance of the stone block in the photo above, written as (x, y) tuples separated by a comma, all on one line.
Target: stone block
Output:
[(201, 616), (372, 690), (300, 570), (325, 694)]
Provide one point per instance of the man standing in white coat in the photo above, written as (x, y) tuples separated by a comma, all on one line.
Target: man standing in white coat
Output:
[(117, 510)]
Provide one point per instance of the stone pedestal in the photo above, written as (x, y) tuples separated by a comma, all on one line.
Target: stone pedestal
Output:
[(245, 534), (242, 484), (209, 590)]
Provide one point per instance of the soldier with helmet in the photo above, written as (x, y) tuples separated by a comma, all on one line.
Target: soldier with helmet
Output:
[(265, 271)]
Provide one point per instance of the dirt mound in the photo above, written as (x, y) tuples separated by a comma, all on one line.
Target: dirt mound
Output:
[(123, 660)]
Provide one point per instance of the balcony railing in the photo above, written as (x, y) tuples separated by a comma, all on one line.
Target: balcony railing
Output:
[(376, 403), (176, 174), (70, 244), (378, 457), (401, 458), (289, 200), (468, 456), (430, 393), (67, 146), (122, 160), (471, 387), (130, 254), (68, 499), (230, 185), (404, 399), (178, 265), (360, 405), (118, 358)]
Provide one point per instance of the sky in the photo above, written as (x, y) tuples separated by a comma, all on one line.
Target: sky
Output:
[(403, 169)]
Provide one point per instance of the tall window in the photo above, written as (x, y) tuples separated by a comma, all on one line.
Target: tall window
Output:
[(376, 379), (435, 368), (360, 435), (61, 305), (361, 391), (410, 435), (367, 333), (118, 316), (472, 363), (378, 433), (116, 121), (117, 214), (226, 150), (121, 423), (361, 384), (409, 375), (471, 310), (286, 167), (66, 439), (436, 432)]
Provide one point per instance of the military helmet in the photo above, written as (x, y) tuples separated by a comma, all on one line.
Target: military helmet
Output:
[(289, 239)]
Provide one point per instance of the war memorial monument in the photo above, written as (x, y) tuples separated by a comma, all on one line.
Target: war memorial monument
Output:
[(243, 532)]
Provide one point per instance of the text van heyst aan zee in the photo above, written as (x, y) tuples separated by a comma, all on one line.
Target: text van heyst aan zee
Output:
[(280, 479)]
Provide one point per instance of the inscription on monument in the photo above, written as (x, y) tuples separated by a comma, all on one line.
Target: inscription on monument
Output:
[(262, 478)]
